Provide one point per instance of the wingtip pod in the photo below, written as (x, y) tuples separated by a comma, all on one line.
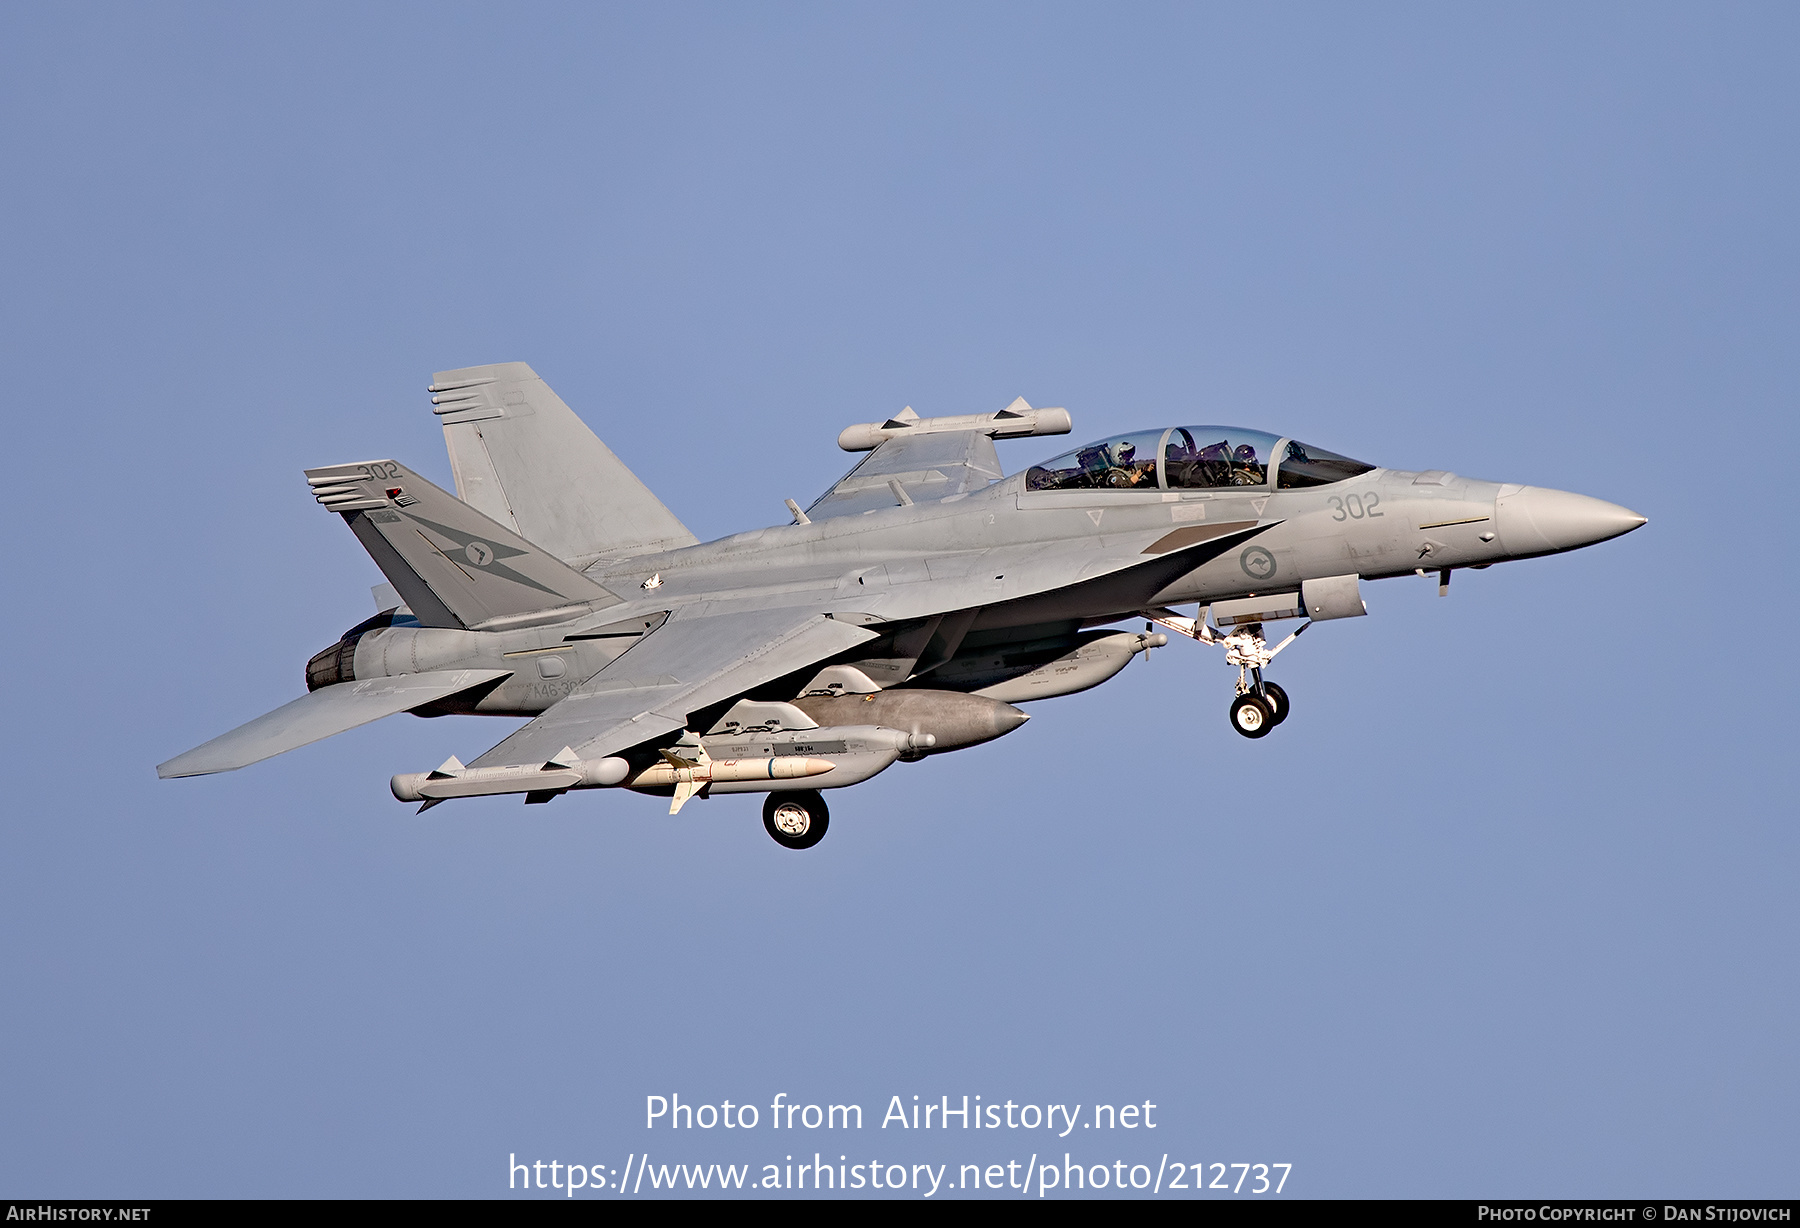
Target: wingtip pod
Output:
[(1016, 421)]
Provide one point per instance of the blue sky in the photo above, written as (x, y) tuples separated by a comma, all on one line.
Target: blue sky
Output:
[(1506, 908)]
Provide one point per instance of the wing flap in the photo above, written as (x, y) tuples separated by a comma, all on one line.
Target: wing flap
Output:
[(321, 713), (685, 665)]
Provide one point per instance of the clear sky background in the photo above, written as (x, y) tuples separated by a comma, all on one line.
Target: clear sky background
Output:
[(1507, 908)]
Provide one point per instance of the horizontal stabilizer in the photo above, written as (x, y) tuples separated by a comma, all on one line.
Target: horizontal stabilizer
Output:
[(321, 713), (452, 565)]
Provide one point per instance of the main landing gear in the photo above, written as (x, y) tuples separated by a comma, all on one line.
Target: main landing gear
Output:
[(797, 819), (1259, 704)]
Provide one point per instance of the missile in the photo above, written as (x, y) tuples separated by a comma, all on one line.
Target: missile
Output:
[(690, 776), (568, 771), (780, 767), (452, 779)]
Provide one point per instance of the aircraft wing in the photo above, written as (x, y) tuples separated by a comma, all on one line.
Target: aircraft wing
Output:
[(319, 714), (690, 662), (926, 466)]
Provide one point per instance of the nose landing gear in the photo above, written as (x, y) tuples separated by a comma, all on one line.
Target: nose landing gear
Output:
[(1259, 705)]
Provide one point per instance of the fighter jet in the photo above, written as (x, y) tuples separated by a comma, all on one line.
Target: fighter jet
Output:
[(905, 613)]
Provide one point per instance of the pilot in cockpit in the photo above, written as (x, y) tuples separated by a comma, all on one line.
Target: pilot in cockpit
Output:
[(1114, 465), (1215, 464), (1212, 465), (1131, 472)]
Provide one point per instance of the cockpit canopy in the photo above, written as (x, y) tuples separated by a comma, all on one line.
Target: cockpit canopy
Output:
[(1190, 458)]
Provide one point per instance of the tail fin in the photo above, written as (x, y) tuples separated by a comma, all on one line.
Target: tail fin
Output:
[(521, 456), (452, 565)]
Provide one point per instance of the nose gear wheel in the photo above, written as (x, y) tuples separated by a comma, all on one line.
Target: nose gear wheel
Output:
[(1251, 716), (1277, 699)]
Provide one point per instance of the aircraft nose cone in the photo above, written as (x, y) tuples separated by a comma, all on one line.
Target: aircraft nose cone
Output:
[(1536, 520)]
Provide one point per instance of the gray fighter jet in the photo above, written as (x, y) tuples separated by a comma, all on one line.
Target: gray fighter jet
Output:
[(904, 614)]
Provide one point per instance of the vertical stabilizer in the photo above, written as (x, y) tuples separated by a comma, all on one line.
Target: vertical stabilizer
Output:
[(522, 458)]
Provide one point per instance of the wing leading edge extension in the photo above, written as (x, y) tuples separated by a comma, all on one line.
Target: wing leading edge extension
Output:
[(687, 664)]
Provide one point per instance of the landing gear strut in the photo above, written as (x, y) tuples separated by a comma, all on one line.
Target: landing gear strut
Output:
[(1259, 705)]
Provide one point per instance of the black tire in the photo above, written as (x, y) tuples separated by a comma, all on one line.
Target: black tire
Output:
[(1250, 716), (1278, 703), (796, 820)]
